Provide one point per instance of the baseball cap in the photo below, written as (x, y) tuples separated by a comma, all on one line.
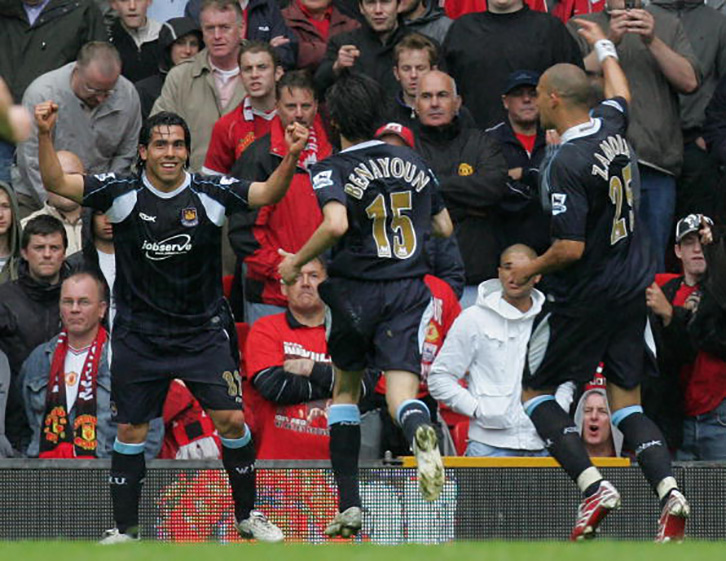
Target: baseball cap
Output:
[(691, 223), (397, 129), (521, 78)]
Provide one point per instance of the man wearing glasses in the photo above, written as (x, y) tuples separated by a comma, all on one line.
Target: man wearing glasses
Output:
[(100, 121)]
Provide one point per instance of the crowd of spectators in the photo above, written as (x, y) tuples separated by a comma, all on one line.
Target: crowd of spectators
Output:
[(460, 82)]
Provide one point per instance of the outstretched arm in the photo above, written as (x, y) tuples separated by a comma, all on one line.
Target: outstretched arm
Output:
[(54, 180), (333, 227), (616, 84), (271, 191), (560, 254), (14, 119)]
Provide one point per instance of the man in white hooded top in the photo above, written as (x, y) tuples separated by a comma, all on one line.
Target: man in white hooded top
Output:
[(487, 345)]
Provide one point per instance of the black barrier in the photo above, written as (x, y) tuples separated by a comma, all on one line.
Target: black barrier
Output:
[(189, 501)]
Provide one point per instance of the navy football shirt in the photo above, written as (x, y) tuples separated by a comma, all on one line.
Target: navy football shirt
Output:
[(168, 260), (593, 185), (390, 195)]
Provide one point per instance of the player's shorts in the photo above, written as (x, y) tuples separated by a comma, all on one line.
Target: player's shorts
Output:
[(375, 324), (569, 347), (143, 366)]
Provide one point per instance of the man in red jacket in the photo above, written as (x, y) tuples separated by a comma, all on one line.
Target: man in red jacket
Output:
[(256, 236)]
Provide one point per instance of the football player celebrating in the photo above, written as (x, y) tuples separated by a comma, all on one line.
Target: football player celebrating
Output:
[(596, 309), (170, 309), (379, 204)]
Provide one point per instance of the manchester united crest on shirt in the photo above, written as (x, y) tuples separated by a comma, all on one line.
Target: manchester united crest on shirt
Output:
[(465, 169)]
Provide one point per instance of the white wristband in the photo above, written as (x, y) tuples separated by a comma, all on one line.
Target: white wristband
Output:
[(605, 48)]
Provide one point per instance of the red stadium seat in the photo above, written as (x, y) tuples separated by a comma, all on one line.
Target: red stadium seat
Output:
[(459, 434), (227, 285)]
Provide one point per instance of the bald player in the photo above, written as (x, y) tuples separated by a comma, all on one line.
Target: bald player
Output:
[(600, 267)]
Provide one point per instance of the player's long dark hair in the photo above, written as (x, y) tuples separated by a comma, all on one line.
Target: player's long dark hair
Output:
[(164, 119), (356, 104)]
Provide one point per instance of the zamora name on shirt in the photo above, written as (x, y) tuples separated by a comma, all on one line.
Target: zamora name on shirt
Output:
[(611, 147)]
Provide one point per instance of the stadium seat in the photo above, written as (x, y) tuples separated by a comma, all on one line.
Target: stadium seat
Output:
[(227, 281), (460, 434)]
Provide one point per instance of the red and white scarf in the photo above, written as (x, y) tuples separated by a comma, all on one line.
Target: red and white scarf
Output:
[(58, 439)]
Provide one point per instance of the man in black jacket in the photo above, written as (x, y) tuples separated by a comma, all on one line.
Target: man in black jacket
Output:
[(523, 144), (482, 49), (29, 312), (136, 37), (472, 173), (368, 50)]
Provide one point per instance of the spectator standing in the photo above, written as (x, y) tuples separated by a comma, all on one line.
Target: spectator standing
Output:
[(482, 49), (100, 125), (136, 36), (472, 176), (10, 234), (234, 132), (705, 28), (263, 22), (368, 50), (314, 22), (202, 89), (179, 39), (289, 223), (523, 144), (413, 56), (29, 311), (66, 381), (425, 17), (692, 357), (65, 210), (487, 345), (40, 36), (659, 63)]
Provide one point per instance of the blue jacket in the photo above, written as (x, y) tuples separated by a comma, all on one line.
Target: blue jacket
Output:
[(34, 380)]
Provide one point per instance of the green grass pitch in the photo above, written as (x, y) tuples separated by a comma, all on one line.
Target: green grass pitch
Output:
[(602, 550)]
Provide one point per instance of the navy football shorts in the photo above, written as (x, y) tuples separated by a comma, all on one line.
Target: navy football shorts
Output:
[(569, 347), (143, 366), (375, 324)]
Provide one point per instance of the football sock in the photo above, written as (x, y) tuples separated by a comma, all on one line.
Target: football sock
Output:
[(563, 442), (128, 471), (411, 414), (344, 424), (644, 438), (238, 459)]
